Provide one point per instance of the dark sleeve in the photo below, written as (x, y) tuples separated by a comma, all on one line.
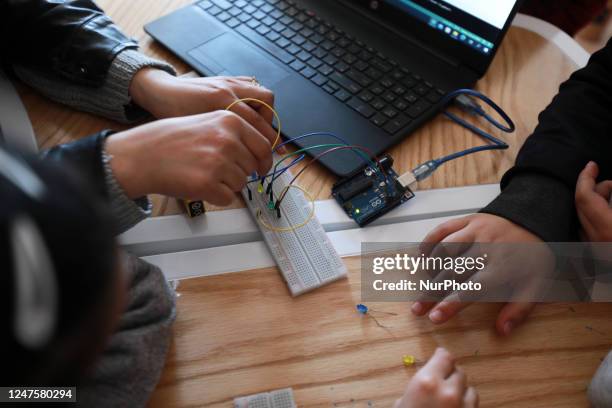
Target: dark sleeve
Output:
[(569, 15), (85, 157), (72, 39), (538, 192)]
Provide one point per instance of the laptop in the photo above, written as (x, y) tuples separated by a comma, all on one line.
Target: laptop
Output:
[(370, 72)]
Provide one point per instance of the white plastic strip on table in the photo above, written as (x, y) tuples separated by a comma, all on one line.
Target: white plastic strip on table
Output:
[(176, 233), (235, 250), (561, 39)]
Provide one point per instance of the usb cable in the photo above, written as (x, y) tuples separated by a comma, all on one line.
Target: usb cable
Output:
[(466, 100)]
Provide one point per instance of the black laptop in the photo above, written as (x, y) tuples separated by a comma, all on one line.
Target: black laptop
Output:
[(370, 72)]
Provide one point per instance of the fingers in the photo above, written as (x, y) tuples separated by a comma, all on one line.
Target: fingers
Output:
[(256, 120), (587, 177), (420, 308), (221, 195), (604, 189), (245, 159), (457, 380), (452, 231), (512, 315), (593, 210), (470, 399), (248, 89), (234, 177), (441, 364), (255, 142), (588, 200), (452, 305), (442, 231), (447, 309), (439, 384), (588, 230)]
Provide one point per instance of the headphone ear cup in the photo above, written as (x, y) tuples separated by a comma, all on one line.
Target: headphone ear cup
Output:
[(36, 296)]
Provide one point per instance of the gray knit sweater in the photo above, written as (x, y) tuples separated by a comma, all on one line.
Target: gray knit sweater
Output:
[(113, 101)]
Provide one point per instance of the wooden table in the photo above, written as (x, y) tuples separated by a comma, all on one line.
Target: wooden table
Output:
[(239, 334)]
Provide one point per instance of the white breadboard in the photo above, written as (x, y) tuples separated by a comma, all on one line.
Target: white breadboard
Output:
[(305, 256), (274, 399)]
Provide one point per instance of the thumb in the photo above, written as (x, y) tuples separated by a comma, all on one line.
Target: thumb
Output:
[(587, 180)]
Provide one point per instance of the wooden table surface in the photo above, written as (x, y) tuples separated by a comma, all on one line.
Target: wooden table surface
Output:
[(240, 334)]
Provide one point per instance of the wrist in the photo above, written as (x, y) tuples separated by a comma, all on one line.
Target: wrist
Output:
[(126, 166), (146, 88)]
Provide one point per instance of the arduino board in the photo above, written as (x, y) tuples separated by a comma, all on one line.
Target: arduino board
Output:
[(369, 193)]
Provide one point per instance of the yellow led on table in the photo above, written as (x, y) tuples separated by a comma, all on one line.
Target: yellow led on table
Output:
[(408, 360)]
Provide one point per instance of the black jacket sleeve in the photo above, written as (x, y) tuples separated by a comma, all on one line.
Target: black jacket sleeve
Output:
[(72, 39), (538, 192), (84, 156)]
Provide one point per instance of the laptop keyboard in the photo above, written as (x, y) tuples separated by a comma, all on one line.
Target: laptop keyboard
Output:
[(375, 86)]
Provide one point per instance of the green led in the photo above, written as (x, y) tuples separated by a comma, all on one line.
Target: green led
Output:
[(270, 205), (357, 211)]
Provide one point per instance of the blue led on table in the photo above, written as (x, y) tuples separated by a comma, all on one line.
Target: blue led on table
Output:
[(363, 309)]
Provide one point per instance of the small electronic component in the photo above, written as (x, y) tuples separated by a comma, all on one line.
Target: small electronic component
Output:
[(194, 208), (363, 309), (408, 360), (274, 399), (367, 193)]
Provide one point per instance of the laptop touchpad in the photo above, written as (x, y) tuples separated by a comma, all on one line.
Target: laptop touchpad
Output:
[(227, 54)]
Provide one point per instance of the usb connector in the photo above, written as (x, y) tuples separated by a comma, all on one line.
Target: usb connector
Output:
[(419, 173), (407, 180)]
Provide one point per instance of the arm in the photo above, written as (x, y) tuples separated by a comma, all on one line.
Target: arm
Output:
[(89, 156), (71, 52), (201, 157), (72, 40), (112, 99), (538, 193), (537, 199)]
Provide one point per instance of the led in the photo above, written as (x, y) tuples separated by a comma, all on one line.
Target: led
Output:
[(408, 360), (363, 309)]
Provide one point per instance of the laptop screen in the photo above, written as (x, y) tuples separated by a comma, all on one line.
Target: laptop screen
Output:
[(476, 24)]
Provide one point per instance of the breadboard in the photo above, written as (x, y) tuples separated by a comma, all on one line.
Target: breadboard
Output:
[(305, 255), (275, 399)]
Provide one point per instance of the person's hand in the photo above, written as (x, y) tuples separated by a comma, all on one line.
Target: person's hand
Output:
[(202, 157), (164, 96), (478, 228), (593, 205), (439, 384)]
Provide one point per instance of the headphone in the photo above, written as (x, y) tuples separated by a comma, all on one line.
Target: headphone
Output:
[(35, 288)]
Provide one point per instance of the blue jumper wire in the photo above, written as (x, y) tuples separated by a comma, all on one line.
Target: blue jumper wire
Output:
[(462, 97)]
